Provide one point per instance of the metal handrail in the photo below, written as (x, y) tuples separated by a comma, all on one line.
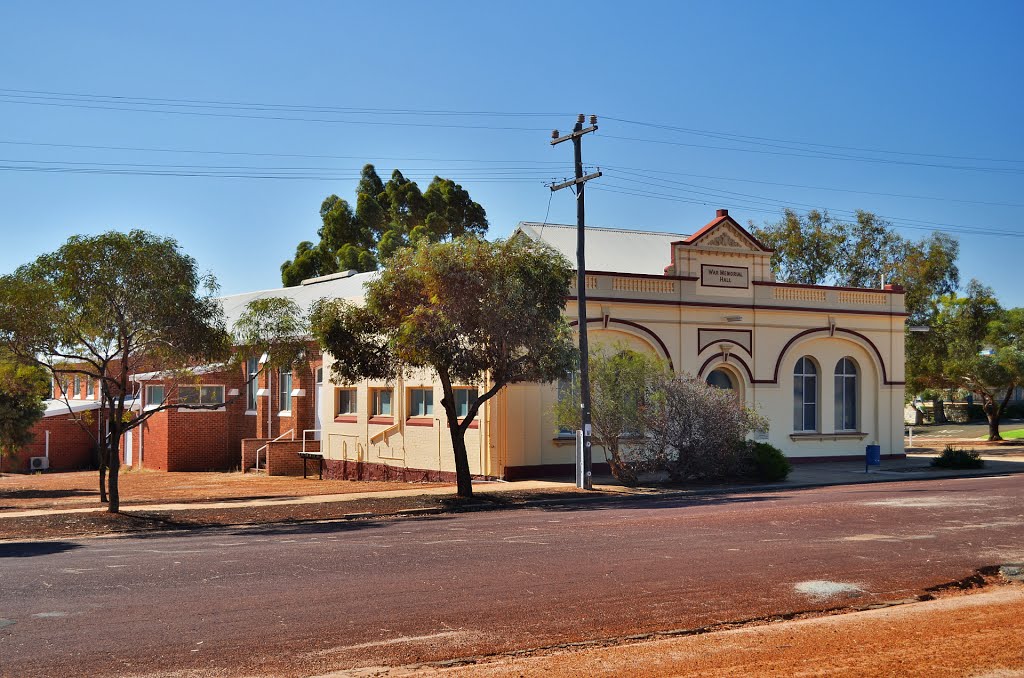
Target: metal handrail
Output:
[(304, 432), (290, 432)]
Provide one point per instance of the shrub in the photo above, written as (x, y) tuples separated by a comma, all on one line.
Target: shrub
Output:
[(769, 462), (698, 432), (955, 457)]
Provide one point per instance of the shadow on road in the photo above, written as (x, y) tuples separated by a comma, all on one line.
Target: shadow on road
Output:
[(29, 549), (656, 502)]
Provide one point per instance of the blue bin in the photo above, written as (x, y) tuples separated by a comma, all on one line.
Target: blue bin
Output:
[(873, 455)]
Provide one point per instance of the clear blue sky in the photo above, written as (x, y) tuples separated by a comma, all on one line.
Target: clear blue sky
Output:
[(909, 78)]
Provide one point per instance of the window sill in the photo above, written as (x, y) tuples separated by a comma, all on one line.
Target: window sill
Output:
[(346, 419), (251, 413), (284, 413), (380, 419), (819, 437), (201, 409), (419, 421)]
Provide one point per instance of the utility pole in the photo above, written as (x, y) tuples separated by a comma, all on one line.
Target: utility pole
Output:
[(584, 478)]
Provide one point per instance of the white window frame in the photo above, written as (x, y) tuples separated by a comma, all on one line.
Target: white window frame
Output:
[(424, 390), (284, 394), (184, 406), (150, 404), (375, 405), (841, 405), (804, 378), (458, 390), (353, 402), (251, 384)]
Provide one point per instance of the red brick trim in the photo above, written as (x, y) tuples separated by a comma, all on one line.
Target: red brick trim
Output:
[(338, 469), (747, 307), (377, 419), (420, 421), (549, 471), (346, 419)]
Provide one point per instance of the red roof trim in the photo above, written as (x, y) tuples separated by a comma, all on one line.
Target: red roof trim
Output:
[(692, 240)]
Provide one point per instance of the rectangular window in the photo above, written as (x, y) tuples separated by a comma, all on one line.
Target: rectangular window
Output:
[(76, 387), (381, 403), (421, 402), (201, 395), (188, 395), (285, 383), (154, 396), (568, 389), (65, 387), (346, 401), (252, 370), (92, 389), (464, 397)]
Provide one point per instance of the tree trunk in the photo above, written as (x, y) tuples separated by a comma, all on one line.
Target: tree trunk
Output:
[(102, 458), (622, 471), (462, 476), (993, 427), (115, 495)]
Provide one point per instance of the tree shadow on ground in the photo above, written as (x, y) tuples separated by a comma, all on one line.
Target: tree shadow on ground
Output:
[(45, 494), (29, 549)]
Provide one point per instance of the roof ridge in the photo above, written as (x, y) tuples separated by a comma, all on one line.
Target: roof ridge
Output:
[(612, 229)]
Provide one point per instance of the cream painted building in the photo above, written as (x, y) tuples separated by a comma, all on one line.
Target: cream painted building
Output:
[(824, 365)]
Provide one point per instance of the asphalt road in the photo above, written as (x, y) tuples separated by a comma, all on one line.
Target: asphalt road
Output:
[(308, 599)]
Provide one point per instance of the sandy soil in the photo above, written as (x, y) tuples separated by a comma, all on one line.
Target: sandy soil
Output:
[(978, 635), (80, 488)]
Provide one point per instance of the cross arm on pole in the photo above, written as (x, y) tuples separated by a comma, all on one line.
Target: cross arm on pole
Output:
[(574, 182), (573, 135)]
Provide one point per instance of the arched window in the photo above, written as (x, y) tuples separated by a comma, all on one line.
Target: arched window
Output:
[(846, 395), (805, 395), (721, 379)]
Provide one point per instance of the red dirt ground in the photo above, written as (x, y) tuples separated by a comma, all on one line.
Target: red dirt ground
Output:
[(79, 489)]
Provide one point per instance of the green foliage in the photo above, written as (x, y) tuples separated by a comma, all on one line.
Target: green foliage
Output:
[(958, 458), (108, 306), (275, 327), (472, 311), (388, 216), (975, 345), (22, 390), (818, 250), (770, 464), (622, 383)]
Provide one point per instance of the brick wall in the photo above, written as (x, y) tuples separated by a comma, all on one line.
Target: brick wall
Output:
[(283, 457), (70, 446)]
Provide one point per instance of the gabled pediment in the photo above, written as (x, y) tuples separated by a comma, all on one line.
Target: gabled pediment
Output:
[(725, 233)]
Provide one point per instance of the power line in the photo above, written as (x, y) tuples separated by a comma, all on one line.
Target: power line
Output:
[(823, 156), (817, 188), (756, 139), (26, 93), (754, 206), (150, 149)]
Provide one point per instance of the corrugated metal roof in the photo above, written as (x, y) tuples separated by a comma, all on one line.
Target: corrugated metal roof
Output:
[(609, 249), (303, 295)]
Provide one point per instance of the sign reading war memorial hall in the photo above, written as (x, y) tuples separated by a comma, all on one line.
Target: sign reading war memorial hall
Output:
[(724, 276)]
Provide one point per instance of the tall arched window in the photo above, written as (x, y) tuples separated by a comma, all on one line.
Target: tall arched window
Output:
[(805, 395), (846, 395)]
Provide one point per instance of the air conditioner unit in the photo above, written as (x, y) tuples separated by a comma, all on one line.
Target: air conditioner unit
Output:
[(39, 463)]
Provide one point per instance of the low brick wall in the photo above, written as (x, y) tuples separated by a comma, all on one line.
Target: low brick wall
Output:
[(283, 457), (249, 447)]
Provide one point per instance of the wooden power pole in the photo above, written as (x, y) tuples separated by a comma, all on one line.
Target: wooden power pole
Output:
[(584, 471)]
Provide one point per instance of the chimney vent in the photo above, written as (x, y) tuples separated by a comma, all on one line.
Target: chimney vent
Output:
[(721, 213)]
